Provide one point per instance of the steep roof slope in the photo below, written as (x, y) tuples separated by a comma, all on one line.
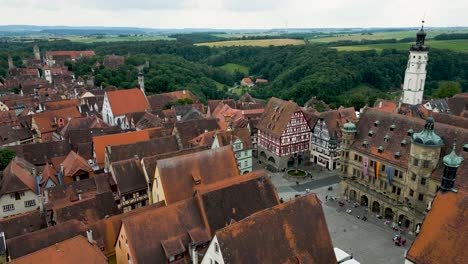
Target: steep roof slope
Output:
[(277, 115), (291, 232), (127, 101)]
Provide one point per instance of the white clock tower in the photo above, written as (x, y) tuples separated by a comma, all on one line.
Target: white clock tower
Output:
[(415, 75)]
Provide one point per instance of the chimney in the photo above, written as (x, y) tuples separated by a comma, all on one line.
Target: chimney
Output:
[(89, 235), (10, 62), (451, 163)]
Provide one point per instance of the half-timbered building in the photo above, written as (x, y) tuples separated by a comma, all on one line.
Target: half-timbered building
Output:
[(283, 135)]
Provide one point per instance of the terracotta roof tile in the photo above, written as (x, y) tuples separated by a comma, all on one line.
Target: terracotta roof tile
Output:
[(40, 153), (127, 101), (20, 224), (188, 130), (292, 237), (128, 175), (73, 163), (159, 101), (73, 54), (277, 115), (444, 232), (17, 176), (56, 105), (210, 165), (146, 239), (46, 121), (213, 104), (73, 251), (100, 142)]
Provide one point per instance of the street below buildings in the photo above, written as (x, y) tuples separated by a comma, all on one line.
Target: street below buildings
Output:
[(368, 241)]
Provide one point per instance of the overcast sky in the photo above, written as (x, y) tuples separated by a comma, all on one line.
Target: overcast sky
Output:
[(235, 13)]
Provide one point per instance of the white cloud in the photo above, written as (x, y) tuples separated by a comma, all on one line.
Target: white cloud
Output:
[(235, 13)]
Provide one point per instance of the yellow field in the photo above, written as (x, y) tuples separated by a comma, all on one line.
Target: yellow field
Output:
[(256, 42)]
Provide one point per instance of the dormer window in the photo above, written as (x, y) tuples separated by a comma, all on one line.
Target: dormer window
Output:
[(386, 138), (465, 147), (392, 127), (380, 149), (377, 123), (410, 132), (397, 155), (371, 133), (404, 142), (365, 143)]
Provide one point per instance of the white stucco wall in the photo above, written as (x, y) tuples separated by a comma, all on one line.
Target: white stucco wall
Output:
[(211, 255), (18, 204)]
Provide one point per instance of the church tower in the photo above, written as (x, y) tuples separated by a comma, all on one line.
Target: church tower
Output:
[(37, 53), (415, 75)]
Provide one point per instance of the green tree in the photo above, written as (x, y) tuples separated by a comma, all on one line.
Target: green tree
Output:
[(6, 156), (447, 89)]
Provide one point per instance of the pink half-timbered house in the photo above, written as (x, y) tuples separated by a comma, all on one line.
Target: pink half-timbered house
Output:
[(283, 135)]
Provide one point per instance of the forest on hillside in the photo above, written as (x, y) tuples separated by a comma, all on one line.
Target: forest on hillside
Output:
[(350, 78)]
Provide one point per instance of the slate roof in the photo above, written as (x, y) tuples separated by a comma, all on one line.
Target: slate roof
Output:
[(147, 240), (75, 250), (276, 116), (128, 175), (127, 101), (288, 235), (187, 130), (20, 224), (444, 232), (234, 199), (28, 243), (143, 148), (177, 174), (88, 210), (159, 101), (40, 153)]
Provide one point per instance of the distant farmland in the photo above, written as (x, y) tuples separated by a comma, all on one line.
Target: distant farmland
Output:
[(460, 45), (108, 38), (257, 42)]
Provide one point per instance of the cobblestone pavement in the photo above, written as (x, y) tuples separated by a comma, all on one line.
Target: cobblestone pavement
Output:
[(369, 241)]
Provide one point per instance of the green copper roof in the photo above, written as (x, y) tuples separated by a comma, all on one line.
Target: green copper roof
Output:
[(428, 137), (349, 127), (452, 159)]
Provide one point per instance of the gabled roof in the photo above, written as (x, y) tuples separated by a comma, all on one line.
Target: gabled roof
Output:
[(289, 235), (88, 210), (187, 130), (143, 148), (83, 123), (277, 115), (56, 105), (100, 142), (73, 163), (149, 120), (147, 239), (127, 101), (444, 233), (234, 199), (212, 104), (40, 153), (31, 242), (204, 140), (45, 121), (17, 176), (48, 173), (335, 119), (159, 101), (128, 175), (75, 250), (177, 173), (20, 224)]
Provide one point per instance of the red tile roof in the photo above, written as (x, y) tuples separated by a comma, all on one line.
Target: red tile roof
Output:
[(17, 176), (444, 233), (277, 115), (159, 101), (127, 101), (73, 163), (72, 53), (101, 142), (286, 232), (45, 121), (75, 250), (177, 174)]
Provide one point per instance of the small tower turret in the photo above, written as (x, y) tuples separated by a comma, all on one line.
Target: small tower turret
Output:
[(141, 81), (451, 163), (37, 53), (415, 75), (10, 62)]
